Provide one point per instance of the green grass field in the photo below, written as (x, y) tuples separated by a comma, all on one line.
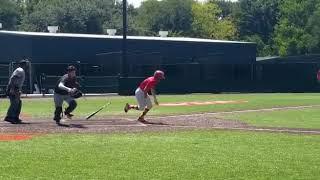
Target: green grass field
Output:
[(45, 107), (302, 118), (182, 155), (197, 154)]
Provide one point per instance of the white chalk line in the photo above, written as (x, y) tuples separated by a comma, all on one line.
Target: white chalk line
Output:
[(237, 111), (248, 128), (270, 130)]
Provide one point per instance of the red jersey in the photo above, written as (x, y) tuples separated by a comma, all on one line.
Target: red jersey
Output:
[(318, 75), (148, 84)]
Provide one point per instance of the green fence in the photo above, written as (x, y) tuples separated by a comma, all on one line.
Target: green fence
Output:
[(93, 78), (42, 77), (4, 77), (180, 78), (216, 78), (286, 77), (188, 78), (88, 84)]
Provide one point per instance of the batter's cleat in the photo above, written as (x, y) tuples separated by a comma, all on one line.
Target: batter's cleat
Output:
[(126, 108), (68, 115), (141, 119)]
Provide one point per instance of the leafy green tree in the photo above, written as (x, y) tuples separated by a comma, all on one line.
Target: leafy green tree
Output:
[(170, 15), (256, 21), (72, 16), (114, 19), (28, 5), (263, 49), (76, 16), (313, 27), (228, 8), (258, 17), (296, 33), (207, 22), (148, 19), (9, 14)]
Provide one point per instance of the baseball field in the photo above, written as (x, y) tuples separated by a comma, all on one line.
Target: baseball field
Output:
[(193, 136)]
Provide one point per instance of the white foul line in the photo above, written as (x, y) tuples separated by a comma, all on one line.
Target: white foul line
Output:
[(237, 111), (270, 130)]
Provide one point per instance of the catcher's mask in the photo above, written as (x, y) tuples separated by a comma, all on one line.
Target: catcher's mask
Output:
[(71, 68)]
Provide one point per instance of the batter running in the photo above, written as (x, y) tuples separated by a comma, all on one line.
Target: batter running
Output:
[(141, 93)]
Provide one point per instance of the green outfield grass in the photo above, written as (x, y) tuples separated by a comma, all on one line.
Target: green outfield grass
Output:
[(179, 155), (199, 154), (45, 107), (303, 118)]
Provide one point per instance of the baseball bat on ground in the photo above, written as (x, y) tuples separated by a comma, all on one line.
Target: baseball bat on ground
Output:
[(94, 113)]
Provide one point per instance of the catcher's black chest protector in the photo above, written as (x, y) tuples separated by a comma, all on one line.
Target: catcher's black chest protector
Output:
[(67, 81)]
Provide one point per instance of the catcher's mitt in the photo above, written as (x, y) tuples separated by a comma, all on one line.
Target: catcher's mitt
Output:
[(76, 94)]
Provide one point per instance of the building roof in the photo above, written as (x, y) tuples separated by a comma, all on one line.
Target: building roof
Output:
[(185, 39), (267, 58), (309, 58)]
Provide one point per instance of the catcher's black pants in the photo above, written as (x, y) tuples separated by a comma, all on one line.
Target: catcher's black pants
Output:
[(58, 101), (14, 108)]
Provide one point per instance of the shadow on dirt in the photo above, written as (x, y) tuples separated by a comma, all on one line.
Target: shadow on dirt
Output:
[(79, 126)]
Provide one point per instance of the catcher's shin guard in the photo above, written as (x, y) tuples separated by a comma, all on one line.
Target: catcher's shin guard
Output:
[(71, 107), (57, 114)]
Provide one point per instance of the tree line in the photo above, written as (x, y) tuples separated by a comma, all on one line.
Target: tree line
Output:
[(279, 27)]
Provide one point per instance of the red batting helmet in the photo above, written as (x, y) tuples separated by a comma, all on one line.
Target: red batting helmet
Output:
[(159, 74)]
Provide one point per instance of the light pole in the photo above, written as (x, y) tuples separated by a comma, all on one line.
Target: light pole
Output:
[(124, 70)]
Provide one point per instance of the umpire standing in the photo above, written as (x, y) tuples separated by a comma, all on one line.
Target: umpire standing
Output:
[(13, 90), (66, 89)]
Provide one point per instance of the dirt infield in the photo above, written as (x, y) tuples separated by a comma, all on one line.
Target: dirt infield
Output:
[(115, 125), (111, 125)]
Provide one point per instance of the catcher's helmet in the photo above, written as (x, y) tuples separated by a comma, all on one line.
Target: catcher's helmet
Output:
[(159, 74), (71, 68)]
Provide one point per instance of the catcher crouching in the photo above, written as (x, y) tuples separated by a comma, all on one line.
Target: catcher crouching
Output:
[(66, 89)]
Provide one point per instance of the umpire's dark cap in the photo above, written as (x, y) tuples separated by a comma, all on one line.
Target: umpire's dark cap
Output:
[(23, 62)]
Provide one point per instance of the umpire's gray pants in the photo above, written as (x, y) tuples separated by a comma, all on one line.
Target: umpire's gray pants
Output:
[(58, 99)]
